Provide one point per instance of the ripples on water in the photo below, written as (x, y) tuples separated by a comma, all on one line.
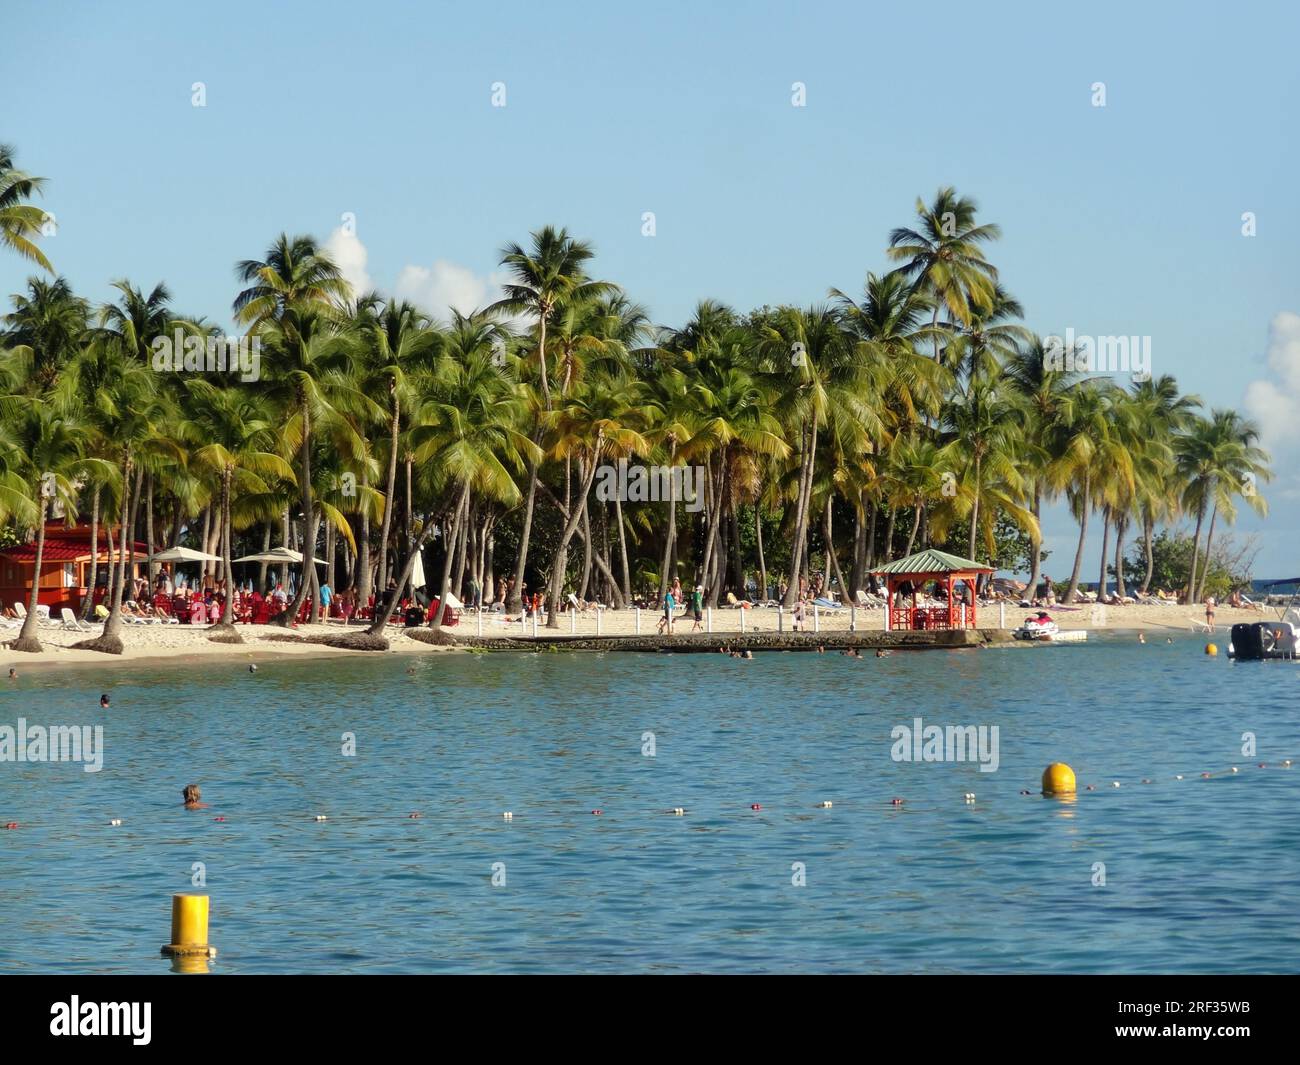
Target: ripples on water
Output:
[(1201, 875)]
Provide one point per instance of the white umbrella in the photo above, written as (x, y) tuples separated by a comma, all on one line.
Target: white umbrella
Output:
[(183, 554), (278, 554), (417, 572)]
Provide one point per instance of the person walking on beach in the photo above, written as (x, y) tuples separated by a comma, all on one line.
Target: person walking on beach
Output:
[(697, 607), (670, 605), (1209, 612), (326, 597)]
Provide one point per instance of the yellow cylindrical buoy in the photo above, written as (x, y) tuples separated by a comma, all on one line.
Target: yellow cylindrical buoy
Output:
[(189, 927), (1058, 779), (1211, 649)]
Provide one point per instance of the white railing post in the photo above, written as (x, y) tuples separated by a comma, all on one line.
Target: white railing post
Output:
[(638, 620), (742, 622), (708, 619), (780, 618), (817, 619), (573, 621), (598, 613), (534, 624), (1002, 615)]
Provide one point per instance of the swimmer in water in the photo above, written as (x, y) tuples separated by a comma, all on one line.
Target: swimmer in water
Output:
[(13, 673), (881, 653), (191, 795), (748, 653), (103, 701), (1142, 637)]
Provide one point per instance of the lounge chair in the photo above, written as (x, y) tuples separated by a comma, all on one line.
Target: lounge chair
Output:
[(70, 621)]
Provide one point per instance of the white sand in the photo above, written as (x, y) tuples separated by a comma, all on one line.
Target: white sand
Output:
[(144, 642)]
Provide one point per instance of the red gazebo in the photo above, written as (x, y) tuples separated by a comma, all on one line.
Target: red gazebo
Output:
[(907, 576)]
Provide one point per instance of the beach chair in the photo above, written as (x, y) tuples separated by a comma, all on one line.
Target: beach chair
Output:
[(572, 600), (71, 622), (43, 617)]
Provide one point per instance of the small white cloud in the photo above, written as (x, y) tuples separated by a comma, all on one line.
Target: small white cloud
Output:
[(350, 255), (1274, 402), (446, 285)]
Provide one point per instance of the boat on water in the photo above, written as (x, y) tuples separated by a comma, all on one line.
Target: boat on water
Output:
[(1258, 641), (1043, 629)]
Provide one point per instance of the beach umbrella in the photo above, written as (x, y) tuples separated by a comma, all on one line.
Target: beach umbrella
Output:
[(417, 572), (183, 554), (278, 554)]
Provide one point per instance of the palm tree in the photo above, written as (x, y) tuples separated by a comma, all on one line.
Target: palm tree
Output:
[(469, 436), (293, 300), (1044, 390), (49, 323), (395, 340), (233, 432), (20, 222), (943, 258), (548, 273), (53, 447)]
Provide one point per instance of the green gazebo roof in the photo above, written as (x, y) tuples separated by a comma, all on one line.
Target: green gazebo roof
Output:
[(932, 562)]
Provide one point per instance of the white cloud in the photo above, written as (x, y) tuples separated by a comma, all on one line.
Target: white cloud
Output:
[(1274, 402), (350, 255), (446, 285)]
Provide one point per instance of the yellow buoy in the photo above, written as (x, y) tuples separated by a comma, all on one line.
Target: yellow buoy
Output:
[(189, 927), (1058, 779), (1211, 650)]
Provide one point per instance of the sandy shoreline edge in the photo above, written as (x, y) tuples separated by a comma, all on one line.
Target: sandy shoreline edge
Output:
[(158, 644)]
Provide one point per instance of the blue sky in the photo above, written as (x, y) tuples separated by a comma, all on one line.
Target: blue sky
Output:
[(1123, 219)]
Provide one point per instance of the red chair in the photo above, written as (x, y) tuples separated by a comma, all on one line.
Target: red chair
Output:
[(163, 604)]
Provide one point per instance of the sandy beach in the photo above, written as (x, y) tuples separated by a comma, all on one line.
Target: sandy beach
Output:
[(150, 642)]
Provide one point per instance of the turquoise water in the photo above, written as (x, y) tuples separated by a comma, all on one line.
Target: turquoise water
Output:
[(1201, 875)]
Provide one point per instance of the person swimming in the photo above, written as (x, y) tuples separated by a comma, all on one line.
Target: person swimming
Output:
[(13, 673), (103, 701), (192, 796)]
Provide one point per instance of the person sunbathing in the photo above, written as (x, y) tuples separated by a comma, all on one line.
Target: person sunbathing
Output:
[(192, 796)]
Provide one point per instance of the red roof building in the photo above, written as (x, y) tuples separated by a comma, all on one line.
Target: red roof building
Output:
[(65, 567)]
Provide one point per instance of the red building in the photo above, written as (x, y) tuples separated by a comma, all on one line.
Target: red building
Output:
[(65, 567)]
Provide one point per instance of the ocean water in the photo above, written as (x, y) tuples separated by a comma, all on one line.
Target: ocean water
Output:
[(1201, 875)]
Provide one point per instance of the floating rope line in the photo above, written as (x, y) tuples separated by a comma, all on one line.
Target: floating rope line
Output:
[(968, 798)]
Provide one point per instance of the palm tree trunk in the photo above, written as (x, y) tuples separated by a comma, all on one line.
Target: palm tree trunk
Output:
[(762, 562), (1035, 545), (622, 550), (1196, 546), (801, 513), (1105, 545), (360, 582), (148, 529), (1121, 521), (1083, 536), (570, 527), (1148, 528), (453, 534), (261, 566), (88, 602), (308, 521), (515, 593), (1205, 565), (389, 490), (916, 525), (665, 578), (974, 515), (27, 640), (834, 566)]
